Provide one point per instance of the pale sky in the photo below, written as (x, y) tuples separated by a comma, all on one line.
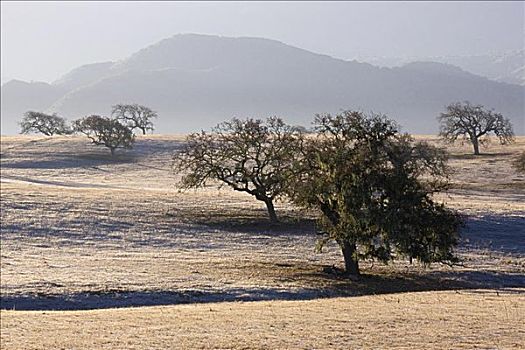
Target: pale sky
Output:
[(42, 40)]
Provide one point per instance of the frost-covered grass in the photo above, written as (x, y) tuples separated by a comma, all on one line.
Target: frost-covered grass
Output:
[(82, 230)]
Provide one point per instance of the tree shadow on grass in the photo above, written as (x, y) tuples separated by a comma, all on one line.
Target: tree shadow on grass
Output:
[(494, 232), (87, 156), (56, 183), (465, 156), (386, 283), (502, 233), (286, 225), (244, 220), (69, 161), (334, 286)]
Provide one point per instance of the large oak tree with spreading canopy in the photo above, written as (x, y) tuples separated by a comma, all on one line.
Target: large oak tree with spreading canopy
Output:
[(248, 155), (373, 188)]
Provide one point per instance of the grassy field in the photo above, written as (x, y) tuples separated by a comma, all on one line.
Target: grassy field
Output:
[(431, 320), (82, 231)]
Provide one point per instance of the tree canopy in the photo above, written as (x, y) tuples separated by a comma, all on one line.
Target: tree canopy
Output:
[(249, 155), (134, 116), (373, 187), (105, 131), (473, 123), (46, 124)]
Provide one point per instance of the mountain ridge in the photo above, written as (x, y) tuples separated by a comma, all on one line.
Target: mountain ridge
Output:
[(195, 81)]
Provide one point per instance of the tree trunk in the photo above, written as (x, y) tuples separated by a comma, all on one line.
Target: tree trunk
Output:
[(351, 262), (143, 131), (271, 210), (112, 151), (475, 143)]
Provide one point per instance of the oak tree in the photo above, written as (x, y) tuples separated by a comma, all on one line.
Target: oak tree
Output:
[(134, 116), (105, 131), (46, 124), (373, 187), (473, 123), (249, 155)]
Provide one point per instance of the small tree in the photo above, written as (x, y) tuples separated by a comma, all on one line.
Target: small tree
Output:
[(46, 124), (134, 116), (105, 132), (474, 124), (249, 155), (373, 188)]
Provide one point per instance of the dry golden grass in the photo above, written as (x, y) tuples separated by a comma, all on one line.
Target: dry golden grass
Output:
[(80, 228), (487, 183), (430, 320)]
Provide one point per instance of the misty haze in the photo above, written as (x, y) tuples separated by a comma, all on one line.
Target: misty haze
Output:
[(262, 175)]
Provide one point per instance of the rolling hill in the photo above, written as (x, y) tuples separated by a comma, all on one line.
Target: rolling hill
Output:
[(505, 67), (195, 81)]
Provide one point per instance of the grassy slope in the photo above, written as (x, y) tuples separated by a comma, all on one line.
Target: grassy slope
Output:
[(430, 320), (75, 221)]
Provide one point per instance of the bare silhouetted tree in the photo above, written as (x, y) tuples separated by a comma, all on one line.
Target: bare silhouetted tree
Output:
[(248, 155), (106, 132), (473, 123), (134, 116), (46, 124)]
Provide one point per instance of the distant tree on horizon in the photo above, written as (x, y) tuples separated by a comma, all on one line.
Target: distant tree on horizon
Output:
[(373, 187), (46, 124), (249, 155), (134, 116), (473, 123), (106, 132)]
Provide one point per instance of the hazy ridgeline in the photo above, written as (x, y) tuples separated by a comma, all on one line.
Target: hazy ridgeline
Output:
[(196, 81)]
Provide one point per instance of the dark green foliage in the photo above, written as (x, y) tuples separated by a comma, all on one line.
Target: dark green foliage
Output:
[(373, 187), (46, 124), (134, 116), (105, 132), (474, 124), (248, 155)]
